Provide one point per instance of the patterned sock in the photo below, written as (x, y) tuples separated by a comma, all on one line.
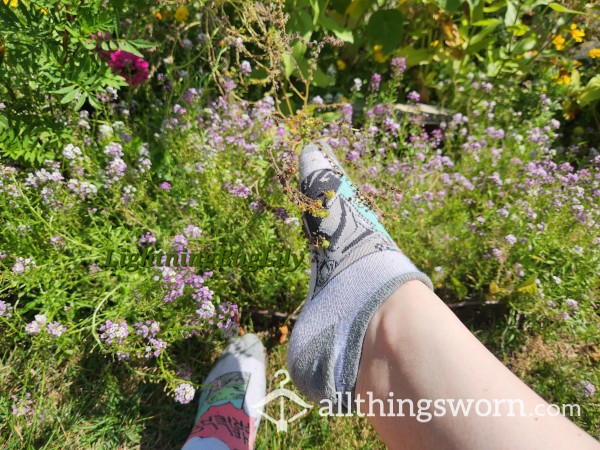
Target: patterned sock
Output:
[(350, 279), (226, 418)]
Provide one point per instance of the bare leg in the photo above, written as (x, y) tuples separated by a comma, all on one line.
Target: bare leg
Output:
[(417, 348)]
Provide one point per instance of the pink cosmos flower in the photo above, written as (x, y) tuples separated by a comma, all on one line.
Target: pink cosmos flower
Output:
[(131, 67)]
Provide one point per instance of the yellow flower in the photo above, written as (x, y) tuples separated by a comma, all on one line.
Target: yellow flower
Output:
[(158, 15), (378, 55), (181, 14), (576, 33), (563, 77), (44, 11), (559, 42), (435, 43), (594, 53), (13, 3), (341, 64)]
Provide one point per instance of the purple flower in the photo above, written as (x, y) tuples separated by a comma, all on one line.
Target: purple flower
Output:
[(280, 213), (245, 67), (71, 152), (184, 393), (114, 332), (115, 170), (239, 190), (22, 406), (206, 310), (113, 149), (192, 231), (179, 243), (128, 194), (147, 240), (511, 239), (256, 206), (190, 95), (36, 326), (495, 133), (398, 66), (23, 265), (147, 329), (179, 110), (502, 212), (57, 242), (572, 304), (5, 309), (587, 389), (375, 82), (131, 67), (165, 186), (82, 189), (55, 329), (229, 85), (155, 348), (414, 96), (497, 253)]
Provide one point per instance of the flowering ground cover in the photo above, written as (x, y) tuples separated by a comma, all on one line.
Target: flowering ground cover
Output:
[(178, 127)]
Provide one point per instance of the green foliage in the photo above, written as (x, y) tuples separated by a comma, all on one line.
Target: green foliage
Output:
[(52, 40), (508, 220)]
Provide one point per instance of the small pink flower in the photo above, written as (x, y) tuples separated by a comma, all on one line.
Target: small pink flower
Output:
[(131, 67)]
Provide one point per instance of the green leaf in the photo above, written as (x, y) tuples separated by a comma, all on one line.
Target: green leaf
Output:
[(415, 56), (81, 101), (142, 43), (127, 47), (340, 5), (327, 23), (510, 18), (449, 6), (591, 92), (65, 89), (70, 96), (560, 8), (386, 28), (494, 8), (460, 288), (529, 286), (318, 7), (321, 79), (476, 9), (524, 45), (486, 22), (519, 29), (482, 34), (301, 23)]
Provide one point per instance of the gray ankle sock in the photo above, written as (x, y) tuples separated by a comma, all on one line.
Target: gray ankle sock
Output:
[(350, 279)]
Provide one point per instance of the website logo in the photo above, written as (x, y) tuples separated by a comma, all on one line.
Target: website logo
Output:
[(282, 394)]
